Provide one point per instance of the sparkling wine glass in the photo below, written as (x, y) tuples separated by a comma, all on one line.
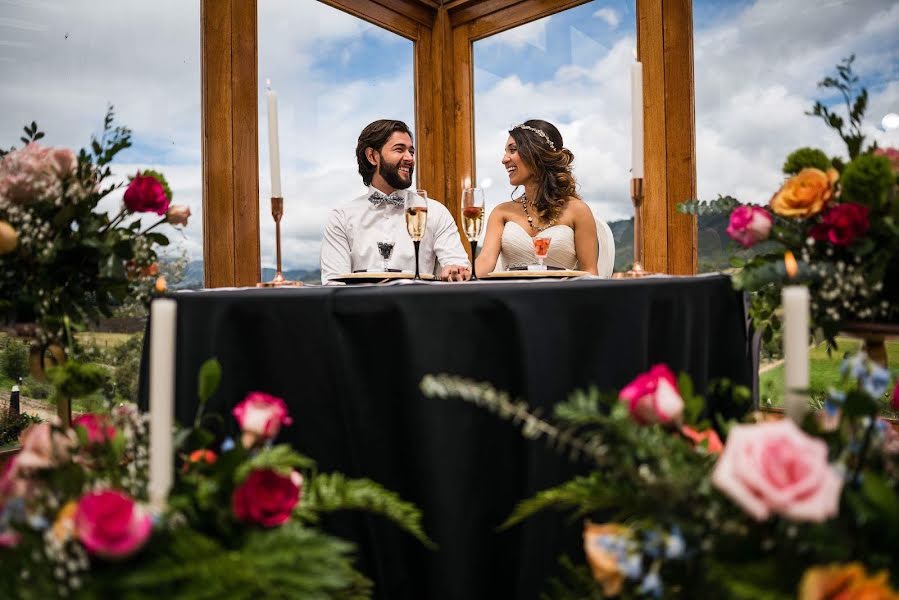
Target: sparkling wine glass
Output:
[(416, 221), (541, 248), (385, 249), (473, 220)]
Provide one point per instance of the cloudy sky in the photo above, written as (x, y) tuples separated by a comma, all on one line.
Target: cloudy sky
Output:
[(756, 65)]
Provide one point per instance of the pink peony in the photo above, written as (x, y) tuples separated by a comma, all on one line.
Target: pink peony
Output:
[(775, 467), (43, 446), (266, 497), (64, 161), (842, 224), (111, 525), (146, 194), (29, 174), (653, 397), (260, 417), (177, 215), (749, 225), (96, 427)]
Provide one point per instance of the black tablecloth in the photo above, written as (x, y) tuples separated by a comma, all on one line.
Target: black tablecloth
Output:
[(348, 361)]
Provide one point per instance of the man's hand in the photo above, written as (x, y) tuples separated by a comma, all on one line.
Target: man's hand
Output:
[(455, 273)]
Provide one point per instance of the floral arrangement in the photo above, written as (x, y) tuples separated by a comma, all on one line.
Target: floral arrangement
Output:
[(62, 261), (674, 508), (242, 515), (839, 220)]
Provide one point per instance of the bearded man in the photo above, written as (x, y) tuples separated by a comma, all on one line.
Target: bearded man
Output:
[(386, 158)]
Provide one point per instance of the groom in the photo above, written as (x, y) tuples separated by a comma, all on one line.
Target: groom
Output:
[(386, 159)]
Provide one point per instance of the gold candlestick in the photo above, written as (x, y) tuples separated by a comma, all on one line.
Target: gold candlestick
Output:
[(637, 197), (278, 280)]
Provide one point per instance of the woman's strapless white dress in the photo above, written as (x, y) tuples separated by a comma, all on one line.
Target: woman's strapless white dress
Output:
[(517, 248)]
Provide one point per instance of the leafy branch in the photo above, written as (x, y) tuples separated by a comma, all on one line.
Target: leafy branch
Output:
[(845, 82)]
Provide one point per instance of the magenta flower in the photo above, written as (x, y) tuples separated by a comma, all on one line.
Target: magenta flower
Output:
[(260, 417), (146, 194), (111, 525), (749, 225), (266, 497), (653, 397), (96, 428), (894, 400), (842, 224)]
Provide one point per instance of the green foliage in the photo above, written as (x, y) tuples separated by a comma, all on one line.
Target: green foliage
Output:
[(75, 380), (804, 158), (126, 359), (723, 205), (581, 495), (575, 583), (334, 492), (281, 458), (160, 178), (10, 428), (290, 561), (866, 180), (845, 83), (209, 379), (14, 359)]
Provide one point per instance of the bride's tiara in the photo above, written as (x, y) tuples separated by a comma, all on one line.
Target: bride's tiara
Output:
[(538, 132)]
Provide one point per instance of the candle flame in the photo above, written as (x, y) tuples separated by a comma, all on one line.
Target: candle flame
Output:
[(790, 264), (268, 85)]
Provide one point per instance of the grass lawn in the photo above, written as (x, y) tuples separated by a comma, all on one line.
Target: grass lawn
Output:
[(824, 371)]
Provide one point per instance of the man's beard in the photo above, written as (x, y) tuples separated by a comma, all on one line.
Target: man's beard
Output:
[(391, 174)]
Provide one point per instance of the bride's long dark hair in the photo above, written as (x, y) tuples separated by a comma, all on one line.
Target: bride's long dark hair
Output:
[(551, 168)]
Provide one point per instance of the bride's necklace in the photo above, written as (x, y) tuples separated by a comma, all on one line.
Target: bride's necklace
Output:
[(524, 204)]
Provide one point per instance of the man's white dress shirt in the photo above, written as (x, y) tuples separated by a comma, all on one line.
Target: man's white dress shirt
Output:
[(351, 237)]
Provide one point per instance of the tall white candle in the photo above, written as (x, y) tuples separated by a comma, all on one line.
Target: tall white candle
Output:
[(637, 120), (795, 346), (162, 399), (274, 152)]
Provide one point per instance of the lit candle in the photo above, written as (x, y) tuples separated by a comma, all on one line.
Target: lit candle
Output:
[(274, 152), (637, 120), (162, 396), (795, 346)]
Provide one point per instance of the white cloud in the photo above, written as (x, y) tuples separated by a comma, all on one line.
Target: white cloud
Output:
[(533, 34), (609, 15)]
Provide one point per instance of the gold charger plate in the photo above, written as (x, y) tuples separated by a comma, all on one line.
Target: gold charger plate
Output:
[(552, 274), (378, 277)]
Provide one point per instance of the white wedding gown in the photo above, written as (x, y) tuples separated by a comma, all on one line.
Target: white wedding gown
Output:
[(517, 248)]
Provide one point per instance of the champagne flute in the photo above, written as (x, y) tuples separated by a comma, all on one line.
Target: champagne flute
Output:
[(416, 221), (472, 220), (541, 248), (385, 249)]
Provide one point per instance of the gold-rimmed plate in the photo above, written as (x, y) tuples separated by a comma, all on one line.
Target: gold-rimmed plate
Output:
[(549, 274), (352, 278)]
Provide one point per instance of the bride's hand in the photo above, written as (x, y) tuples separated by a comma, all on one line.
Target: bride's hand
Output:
[(455, 273)]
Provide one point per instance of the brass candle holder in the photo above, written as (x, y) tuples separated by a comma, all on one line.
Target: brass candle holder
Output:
[(637, 270), (278, 280)]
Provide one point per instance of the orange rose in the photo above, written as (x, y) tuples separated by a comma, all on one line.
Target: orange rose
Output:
[(844, 582), (604, 563), (805, 194), (9, 238)]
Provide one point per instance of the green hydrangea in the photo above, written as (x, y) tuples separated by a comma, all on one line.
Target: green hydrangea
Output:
[(866, 180), (161, 179), (805, 158)]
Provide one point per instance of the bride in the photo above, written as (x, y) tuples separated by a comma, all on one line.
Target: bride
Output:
[(550, 206)]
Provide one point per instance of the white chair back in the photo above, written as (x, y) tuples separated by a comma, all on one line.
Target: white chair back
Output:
[(606, 263)]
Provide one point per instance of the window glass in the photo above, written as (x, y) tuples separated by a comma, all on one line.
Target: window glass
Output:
[(573, 70), (757, 65), (333, 74), (61, 64)]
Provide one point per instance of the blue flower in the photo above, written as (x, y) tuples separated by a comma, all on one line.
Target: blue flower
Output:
[(632, 566), (674, 544), (227, 444), (877, 382), (836, 396), (38, 522), (652, 544), (856, 365), (652, 584)]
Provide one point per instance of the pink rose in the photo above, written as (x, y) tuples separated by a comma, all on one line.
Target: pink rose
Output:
[(43, 446), (111, 525), (29, 175), (146, 194), (653, 397), (64, 161), (260, 417), (749, 225), (177, 215), (96, 427), (267, 497), (11, 484), (775, 467), (9, 539)]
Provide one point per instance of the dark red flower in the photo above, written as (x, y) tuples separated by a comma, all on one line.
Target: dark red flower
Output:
[(842, 224), (266, 497), (146, 194)]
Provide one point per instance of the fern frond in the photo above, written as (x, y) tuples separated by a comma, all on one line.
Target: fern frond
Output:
[(586, 494), (575, 583), (281, 458), (329, 492), (581, 408)]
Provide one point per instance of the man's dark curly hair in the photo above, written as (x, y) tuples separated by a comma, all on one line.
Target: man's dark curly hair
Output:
[(375, 135)]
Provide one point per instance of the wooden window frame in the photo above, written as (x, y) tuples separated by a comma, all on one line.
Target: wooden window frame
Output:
[(443, 34)]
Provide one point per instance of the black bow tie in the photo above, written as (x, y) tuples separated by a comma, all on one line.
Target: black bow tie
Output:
[(378, 198)]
